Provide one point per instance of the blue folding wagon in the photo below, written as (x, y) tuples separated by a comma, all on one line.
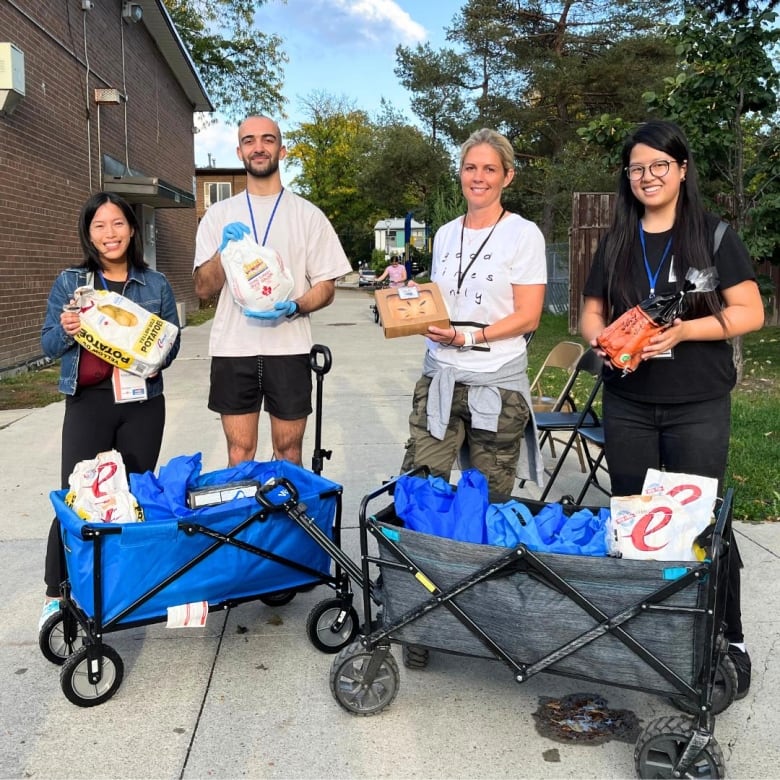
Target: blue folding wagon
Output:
[(275, 533)]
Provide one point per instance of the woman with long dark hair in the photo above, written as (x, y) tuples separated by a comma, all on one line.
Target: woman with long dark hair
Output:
[(674, 411), (113, 260)]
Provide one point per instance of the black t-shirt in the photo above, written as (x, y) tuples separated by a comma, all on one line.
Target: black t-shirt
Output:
[(697, 370)]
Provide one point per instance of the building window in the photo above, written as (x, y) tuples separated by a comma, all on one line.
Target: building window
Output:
[(216, 190)]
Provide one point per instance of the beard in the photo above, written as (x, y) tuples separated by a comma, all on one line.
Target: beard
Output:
[(261, 168)]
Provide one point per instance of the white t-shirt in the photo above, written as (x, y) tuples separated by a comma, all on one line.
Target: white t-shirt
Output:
[(514, 254), (308, 246)]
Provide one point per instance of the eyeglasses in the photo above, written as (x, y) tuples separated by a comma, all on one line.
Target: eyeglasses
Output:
[(658, 168)]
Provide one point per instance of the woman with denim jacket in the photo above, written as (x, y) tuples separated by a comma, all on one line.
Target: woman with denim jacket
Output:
[(113, 260)]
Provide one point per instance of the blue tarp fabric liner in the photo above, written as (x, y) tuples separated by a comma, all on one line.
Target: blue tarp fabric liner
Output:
[(146, 554), (550, 530), (432, 506)]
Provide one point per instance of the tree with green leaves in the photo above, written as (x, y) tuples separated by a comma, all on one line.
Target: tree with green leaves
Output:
[(359, 171), (536, 72), (404, 168), (328, 151), (241, 67), (733, 8), (724, 95), (437, 80)]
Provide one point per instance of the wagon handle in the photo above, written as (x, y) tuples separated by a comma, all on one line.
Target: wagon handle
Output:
[(327, 360), (320, 370), (277, 493)]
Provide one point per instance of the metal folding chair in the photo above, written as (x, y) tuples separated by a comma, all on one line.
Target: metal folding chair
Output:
[(561, 361), (582, 425)]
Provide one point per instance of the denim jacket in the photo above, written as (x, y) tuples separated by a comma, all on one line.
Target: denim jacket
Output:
[(145, 287)]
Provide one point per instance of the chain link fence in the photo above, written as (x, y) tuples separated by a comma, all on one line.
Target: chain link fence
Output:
[(556, 298)]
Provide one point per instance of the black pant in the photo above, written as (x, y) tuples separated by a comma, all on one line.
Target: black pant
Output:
[(687, 438), (93, 423)]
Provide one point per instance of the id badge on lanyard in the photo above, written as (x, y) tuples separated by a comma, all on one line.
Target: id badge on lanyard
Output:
[(652, 278), (128, 387)]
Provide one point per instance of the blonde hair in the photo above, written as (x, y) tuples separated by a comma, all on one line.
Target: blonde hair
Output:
[(493, 139)]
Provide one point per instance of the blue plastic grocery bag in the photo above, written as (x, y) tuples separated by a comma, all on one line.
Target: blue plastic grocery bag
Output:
[(431, 505), (510, 524), (550, 530), (165, 496)]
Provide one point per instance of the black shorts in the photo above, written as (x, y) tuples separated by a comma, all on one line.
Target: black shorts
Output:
[(281, 384)]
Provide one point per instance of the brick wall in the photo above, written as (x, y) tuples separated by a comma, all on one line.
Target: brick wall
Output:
[(51, 147)]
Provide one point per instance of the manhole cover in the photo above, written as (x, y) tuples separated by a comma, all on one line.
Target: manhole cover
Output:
[(584, 717)]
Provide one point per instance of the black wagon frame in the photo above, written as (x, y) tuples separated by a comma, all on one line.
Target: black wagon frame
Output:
[(685, 661)]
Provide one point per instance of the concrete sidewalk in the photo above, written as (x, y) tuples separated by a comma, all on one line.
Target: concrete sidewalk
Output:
[(248, 695)]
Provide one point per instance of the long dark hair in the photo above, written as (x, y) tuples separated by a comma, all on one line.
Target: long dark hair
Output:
[(692, 235), (135, 251)]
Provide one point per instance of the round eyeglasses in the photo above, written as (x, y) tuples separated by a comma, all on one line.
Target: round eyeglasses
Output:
[(658, 168)]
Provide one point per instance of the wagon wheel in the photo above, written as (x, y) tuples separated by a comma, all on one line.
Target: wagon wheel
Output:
[(724, 689), (332, 625), (56, 641), (661, 744), (278, 599), (415, 656), (351, 687), (74, 677)]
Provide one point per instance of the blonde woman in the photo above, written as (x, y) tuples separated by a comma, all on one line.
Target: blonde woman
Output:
[(490, 267)]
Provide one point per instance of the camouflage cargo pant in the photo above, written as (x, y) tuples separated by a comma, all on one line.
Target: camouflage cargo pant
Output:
[(494, 454)]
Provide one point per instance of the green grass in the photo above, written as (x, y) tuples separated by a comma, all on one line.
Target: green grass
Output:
[(201, 315), (755, 430), (31, 389)]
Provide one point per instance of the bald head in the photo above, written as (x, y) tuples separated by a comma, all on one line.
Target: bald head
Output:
[(260, 123)]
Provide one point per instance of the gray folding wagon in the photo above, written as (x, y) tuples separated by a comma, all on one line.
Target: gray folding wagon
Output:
[(654, 626)]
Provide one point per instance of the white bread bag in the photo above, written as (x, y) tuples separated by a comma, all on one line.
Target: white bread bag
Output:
[(99, 492)]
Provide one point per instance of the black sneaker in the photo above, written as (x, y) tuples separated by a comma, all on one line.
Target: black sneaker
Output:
[(742, 662)]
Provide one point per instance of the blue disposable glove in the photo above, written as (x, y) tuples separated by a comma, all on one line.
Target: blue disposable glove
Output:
[(280, 309), (235, 231)]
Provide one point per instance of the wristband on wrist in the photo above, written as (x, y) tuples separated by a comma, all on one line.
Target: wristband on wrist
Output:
[(297, 311), (468, 340)]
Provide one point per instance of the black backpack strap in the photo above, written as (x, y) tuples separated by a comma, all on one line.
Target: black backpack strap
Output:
[(718, 237)]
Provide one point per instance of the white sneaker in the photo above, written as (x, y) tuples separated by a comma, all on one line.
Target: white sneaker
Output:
[(49, 608)]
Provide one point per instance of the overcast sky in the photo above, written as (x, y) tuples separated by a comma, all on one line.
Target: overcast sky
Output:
[(343, 47)]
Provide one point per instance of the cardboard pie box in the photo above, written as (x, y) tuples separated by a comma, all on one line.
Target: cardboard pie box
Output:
[(405, 311)]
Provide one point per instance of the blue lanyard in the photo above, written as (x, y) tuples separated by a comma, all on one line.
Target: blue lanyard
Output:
[(653, 278), (270, 219)]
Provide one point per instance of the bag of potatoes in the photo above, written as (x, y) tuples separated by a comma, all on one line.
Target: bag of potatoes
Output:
[(123, 333)]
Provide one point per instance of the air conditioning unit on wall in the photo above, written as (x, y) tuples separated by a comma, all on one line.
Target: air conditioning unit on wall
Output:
[(11, 77)]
